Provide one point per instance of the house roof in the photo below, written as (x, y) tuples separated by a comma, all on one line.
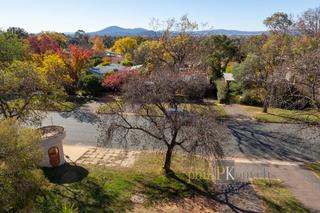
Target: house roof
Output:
[(102, 70), (228, 77)]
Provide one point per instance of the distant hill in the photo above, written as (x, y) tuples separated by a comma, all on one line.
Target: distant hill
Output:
[(119, 31), (230, 32)]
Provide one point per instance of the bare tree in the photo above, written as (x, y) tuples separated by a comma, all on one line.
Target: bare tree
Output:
[(177, 49), (305, 76), (157, 103), (309, 22)]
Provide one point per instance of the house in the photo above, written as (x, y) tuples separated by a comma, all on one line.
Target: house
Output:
[(228, 77), (102, 70)]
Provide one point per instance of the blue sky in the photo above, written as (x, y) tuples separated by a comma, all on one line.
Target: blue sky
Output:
[(93, 15)]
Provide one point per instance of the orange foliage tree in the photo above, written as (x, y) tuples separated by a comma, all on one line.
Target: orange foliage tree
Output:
[(79, 59), (98, 45)]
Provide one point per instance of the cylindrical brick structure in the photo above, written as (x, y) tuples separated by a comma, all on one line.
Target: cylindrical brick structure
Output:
[(52, 146)]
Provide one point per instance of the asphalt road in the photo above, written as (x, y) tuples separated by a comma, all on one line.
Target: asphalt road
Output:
[(246, 139), (81, 126)]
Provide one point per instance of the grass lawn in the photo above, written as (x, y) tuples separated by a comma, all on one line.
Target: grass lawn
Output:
[(314, 166), (108, 189), (66, 106), (277, 197), (276, 115)]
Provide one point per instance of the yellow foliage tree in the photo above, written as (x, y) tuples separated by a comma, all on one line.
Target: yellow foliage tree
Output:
[(125, 45), (55, 68)]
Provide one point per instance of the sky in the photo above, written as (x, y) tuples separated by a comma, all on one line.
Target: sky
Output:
[(93, 15)]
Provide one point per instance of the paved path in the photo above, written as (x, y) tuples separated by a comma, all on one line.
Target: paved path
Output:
[(73, 153), (108, 157), (100, 156)]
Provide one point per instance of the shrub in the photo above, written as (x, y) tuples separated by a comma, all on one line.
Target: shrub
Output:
[(197, 86), (97, 61), (222, 91), (105, 64), (251, 97), (126, 63), (20, 179), (115, 80), (91, 84)]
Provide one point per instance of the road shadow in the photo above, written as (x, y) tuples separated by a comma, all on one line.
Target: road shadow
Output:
[(81, 115), (274, 141), (65, 173)]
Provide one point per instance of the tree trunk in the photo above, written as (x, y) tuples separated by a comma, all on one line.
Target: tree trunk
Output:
[(265, 105), (167, 163)]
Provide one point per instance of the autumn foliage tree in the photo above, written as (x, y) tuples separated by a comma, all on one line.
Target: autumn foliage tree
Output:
[(42, 43), (125, 45), (97, 45), (79, 59)]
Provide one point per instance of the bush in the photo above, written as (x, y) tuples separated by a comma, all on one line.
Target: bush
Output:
[(222, 91), (97, 61), (105, 63), (20, 179), (115, 80), (197, 86), (91, 84), (252, 98), (126, 63)]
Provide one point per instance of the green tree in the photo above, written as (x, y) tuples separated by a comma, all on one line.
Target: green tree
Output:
[(20, 178), (218, 51), (278, 22), (259, 70), (24, 90), (20, 32), (91, 84), (11, 48)]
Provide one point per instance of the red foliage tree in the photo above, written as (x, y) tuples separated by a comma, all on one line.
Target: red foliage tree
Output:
[(116, 79), (42, 43)]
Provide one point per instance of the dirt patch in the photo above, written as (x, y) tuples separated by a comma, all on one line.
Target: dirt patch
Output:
[(190, 205)]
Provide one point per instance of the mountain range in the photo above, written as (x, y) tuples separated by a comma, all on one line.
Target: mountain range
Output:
[(119, 31)]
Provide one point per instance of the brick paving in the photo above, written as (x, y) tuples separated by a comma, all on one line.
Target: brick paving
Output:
[(108, 157)]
